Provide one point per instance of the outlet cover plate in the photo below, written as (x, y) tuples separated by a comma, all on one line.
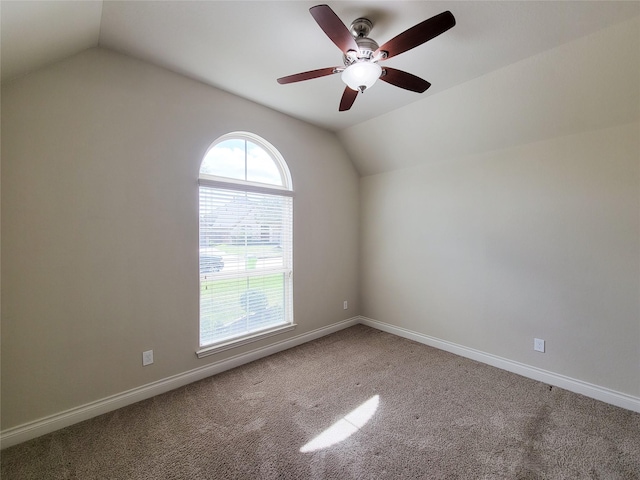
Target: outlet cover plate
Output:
[(538, 345), (147, 358)]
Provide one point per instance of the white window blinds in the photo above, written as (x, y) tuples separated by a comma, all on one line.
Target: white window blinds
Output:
[(245, 261)]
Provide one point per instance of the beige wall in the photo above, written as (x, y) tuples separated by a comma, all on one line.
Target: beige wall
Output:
[(492, 250), (100, 157), (508, 208)]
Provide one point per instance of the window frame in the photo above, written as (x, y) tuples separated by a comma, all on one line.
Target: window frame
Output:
[(227, 183)]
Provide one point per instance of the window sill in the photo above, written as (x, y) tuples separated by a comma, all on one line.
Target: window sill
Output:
[(220, 347)]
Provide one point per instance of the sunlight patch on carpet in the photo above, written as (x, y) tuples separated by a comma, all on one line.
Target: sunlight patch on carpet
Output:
[(345, 427)]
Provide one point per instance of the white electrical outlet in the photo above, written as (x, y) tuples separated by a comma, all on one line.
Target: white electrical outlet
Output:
[(538, 345), (345, 305), (147, 358)]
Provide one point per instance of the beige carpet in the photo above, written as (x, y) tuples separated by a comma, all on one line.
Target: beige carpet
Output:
[(437, 416)]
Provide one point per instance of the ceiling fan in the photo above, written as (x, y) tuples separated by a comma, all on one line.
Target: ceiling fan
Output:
[(361, 54)]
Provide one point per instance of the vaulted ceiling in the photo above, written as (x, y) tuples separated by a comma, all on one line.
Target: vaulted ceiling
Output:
[(243, 46)]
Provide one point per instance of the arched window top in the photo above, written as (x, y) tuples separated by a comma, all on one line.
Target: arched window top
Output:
[(245, 158)]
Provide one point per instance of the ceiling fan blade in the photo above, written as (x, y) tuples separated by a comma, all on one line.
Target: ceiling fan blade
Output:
[(348, 97), (404, 80), (418, 34), (334, 28), (298, 77)]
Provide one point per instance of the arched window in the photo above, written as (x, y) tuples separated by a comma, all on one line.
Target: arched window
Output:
[(246, 243)]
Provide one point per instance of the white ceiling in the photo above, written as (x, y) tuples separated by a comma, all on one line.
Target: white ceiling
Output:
[(242, 47)]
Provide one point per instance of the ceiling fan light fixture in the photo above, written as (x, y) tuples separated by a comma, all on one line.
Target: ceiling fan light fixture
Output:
[(361, 75)]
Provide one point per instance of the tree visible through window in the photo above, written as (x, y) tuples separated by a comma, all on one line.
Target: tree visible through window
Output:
[(246, 229)]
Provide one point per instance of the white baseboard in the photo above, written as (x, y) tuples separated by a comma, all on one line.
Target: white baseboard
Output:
[(578, 386), (27, 431)]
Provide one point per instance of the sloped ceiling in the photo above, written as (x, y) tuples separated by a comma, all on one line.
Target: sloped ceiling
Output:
[(588, 84), (242, 47), (35, 34)]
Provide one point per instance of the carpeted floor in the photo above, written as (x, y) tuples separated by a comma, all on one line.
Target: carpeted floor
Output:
[(406, 410)]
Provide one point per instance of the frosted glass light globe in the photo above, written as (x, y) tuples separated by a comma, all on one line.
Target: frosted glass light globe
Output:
[(361, 75)]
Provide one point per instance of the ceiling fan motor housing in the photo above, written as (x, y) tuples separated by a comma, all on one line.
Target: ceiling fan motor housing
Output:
[(366, 48)]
